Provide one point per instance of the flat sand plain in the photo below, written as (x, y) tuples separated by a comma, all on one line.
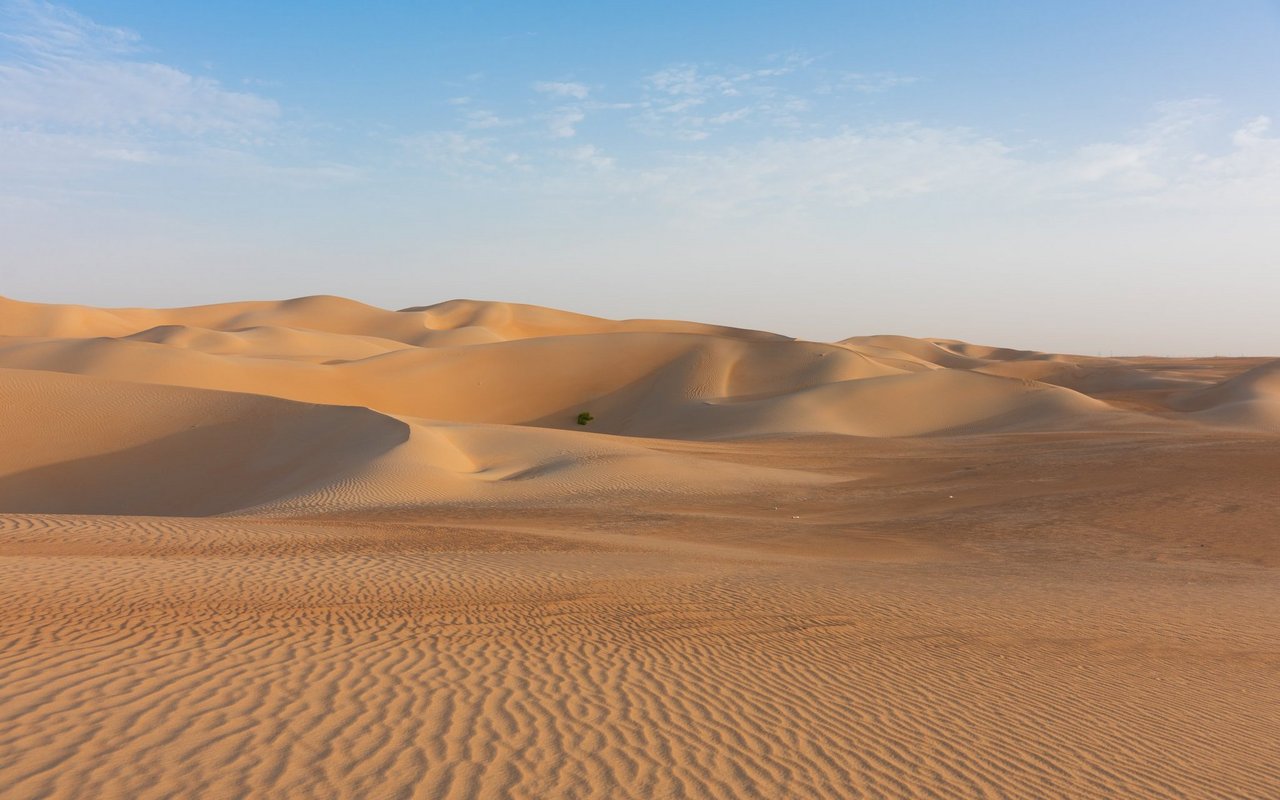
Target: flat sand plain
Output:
[(315, 549)]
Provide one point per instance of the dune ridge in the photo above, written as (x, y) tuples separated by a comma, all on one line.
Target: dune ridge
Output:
[(322, 402), (76, 444), (1250, 400), (504, 363)]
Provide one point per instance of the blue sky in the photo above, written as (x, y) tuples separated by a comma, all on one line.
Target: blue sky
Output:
[(1090, 177)]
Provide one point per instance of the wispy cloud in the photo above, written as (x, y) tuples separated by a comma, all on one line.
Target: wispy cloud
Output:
[(563, 122), (577, 91), (688, 103), (52, 31), (460, 154), (693, 102), (848, 169), (591, 156), (867, 82), (64, 72), (481, 119), (1140, 161), (85, 113), (702, 81), (1182, 158), (79, 99)]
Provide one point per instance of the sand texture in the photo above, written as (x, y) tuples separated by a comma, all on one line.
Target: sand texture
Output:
[(317, 549)]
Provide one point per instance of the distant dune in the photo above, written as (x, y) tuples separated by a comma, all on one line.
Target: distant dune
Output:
[(381, 392)]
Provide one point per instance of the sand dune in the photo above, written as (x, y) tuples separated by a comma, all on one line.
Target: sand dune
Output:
[(543, 379), (379, 403), (314, 548), (1250, 400), (77, 445), (918, 404), (455, 322), (1063, 633), (83, 445), (522, 365), (269, 342)]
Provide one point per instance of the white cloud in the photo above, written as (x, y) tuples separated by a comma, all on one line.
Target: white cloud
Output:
[(52, 32), (1182, 158), (1243, 177), (58, 158), (694, 102), (460, 154), (577, 91), (1253, 133), (788, 150), (481, 119), (67, 72), (563, 122), (688, 80), (848, 169), (1141, 160), (1178, 160), (729, 116), (786, 156), (688, 102), (865, 82), (694, 80), (592, 156), (80, 107), (88, 94)]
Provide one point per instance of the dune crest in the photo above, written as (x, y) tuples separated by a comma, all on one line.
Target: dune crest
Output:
[(322, 403), (512, 364), (1250, 400), (80, 445)]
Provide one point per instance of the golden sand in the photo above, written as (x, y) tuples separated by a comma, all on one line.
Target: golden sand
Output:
[(317, 549)]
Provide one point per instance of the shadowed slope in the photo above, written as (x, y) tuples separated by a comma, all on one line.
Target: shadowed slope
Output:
[(505, 363), (70, 444), (1249, 400)]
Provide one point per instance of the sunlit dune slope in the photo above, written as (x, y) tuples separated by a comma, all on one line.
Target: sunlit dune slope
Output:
[(74, 444), (503, 363), (510, 364), (1250, 400), (455, 322)]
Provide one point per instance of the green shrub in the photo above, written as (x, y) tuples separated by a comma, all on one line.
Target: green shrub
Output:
[(585, 417)]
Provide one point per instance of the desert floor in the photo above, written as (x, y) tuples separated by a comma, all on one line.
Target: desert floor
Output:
[(230, 569)]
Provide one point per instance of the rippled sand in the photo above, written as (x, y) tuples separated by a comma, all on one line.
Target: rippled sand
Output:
[(1038, 615), (312, 548)]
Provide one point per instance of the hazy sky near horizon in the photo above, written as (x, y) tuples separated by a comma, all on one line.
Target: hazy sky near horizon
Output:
[(1091, 177)]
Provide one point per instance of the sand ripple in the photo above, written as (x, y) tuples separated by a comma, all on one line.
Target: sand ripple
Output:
[(156, 657)]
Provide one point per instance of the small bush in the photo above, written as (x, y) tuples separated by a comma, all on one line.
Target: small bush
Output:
[(585, 417)]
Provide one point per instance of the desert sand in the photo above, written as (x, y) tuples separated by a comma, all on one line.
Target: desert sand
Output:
[(314, 548)]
